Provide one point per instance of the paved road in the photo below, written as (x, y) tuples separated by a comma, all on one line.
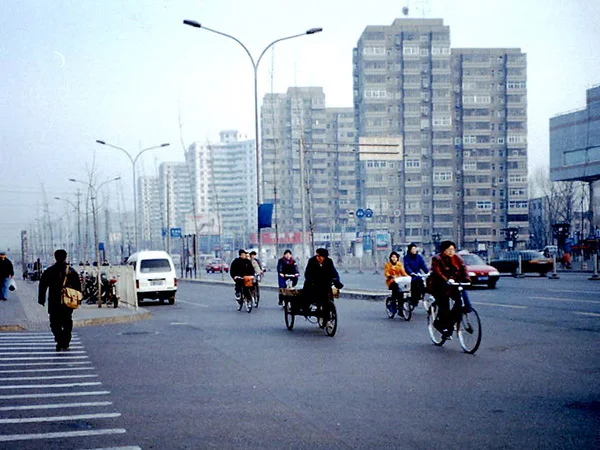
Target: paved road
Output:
[(199, 374)]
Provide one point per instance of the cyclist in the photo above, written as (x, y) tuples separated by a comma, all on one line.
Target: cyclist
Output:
[(258, 270), (240, 267), (415, 264), (287, 266), (392, 269), (319, 275), (445, 266)]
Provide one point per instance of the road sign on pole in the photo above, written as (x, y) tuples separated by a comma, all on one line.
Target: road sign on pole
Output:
[(368, 213), (360, 213), (175, 232)]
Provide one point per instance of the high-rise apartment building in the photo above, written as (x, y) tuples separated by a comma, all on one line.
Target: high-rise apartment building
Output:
[(223, 182), (309, 162), (175, 195), (149, 211), (461, 115), (490, 127)]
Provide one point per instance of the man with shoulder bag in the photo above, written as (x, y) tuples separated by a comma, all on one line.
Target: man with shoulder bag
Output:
[(56, 279)]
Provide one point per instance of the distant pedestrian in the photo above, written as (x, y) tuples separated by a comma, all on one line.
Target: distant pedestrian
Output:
[(61, 316), (6, 274)]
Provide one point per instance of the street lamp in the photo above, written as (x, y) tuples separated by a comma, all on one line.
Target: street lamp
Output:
[(94, 197), (133, 161), (76, 207), (255, 64)]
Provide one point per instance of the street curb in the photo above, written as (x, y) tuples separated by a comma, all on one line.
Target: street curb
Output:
[(356, 295), (12, 328), (77, 323)]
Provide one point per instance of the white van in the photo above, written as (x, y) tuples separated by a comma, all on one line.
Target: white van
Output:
[(155, 275)]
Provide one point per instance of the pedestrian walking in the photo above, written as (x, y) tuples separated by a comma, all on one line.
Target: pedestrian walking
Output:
[(54, 278), (6, 274)]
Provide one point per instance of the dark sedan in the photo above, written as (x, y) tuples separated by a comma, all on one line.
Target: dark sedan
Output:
[(532, 261)]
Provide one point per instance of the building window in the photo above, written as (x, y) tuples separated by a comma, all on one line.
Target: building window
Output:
[(484, 205)]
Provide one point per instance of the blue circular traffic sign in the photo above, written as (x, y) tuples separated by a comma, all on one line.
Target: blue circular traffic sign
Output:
[(368, 213), (360, 213)]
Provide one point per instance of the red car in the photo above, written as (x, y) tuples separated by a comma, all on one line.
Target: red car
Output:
[(217, 266), (479, 271)]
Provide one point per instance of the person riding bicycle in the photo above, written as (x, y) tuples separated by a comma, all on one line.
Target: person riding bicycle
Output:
[(319, 275), (392, 269), (240, 267), (415, 264), (287, 269), (446, 266), (258, 269)]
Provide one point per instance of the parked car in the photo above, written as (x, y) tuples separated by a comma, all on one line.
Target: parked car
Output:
[(217, 266), (155, 275), (532, 261), (479, 271), (550, 250)]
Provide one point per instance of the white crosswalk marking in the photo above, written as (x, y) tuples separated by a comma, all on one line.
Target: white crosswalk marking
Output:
[(35, 383)]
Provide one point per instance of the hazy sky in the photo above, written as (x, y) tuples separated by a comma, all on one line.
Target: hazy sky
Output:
[(125, 72)]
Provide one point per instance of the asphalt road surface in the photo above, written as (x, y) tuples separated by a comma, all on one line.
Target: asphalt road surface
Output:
[(200, 374)]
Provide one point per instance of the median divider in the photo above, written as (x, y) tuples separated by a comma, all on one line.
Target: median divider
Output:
[(344, 293)]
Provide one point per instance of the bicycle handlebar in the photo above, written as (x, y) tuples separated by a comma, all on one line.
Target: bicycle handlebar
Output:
[(456, 283)]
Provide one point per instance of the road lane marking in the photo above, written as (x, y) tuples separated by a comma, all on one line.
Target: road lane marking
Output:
[(56, 363), (200, 305), (55, 358), (60, 418), (555, 299), (54, 406), (500, 304), (66, 434), (51, 377), (52, 395), (581, 313), (19, 352), (129, 447), (57, 369), (571, 291), (45, 386)]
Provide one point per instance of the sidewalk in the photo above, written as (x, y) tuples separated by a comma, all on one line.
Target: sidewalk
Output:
[(21, 312)]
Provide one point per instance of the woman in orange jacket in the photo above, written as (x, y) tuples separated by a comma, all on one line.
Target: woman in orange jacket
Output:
[(392, 269)]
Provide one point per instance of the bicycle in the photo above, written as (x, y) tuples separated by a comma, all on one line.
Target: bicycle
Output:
[(246, 294), (257, 278), (401, 302), (467, 324)]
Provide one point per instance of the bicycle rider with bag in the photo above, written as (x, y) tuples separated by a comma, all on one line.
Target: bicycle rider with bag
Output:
[(392, 269), (446, 266), (240, 267)]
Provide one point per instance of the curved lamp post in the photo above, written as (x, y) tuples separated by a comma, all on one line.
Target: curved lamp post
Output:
[(133, 160), (255, 64), (94, 190)]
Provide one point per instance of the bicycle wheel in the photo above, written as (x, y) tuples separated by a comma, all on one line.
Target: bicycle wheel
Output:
[(289, 317), (435, 335), (248, 301), (406, 309), (469, 331), (331, 324), (390, 307)]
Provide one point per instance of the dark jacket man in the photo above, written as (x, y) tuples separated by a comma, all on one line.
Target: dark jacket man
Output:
[(240, 267), (319, 275), (61, 321)]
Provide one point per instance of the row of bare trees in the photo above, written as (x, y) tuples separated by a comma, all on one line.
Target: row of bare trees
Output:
[(560, 202)]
